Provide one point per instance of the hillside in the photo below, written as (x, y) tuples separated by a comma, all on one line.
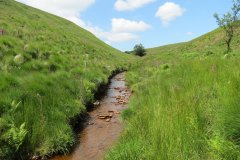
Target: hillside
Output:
[(208, 43), (49, 69), (185, 103)]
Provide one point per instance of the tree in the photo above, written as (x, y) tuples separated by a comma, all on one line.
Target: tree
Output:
[(227, 22), (236, 9), (139, 50)]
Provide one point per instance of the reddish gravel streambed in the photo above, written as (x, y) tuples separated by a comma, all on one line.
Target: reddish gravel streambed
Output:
[(104, 126)]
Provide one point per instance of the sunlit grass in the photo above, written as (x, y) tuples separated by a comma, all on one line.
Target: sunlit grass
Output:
[(187, 112), (185, 103), (51, 68)]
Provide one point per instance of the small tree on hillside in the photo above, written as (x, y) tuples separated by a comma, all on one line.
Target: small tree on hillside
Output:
[(139, 50), (236, 9), (226, 21)]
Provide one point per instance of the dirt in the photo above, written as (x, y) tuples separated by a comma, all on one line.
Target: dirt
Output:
[(104, 126)]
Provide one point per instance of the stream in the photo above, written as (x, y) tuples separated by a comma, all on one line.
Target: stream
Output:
[(104, 126)]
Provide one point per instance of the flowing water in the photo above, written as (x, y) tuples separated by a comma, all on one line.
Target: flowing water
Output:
[(104, 126)]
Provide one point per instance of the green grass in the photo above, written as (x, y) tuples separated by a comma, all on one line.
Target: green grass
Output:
[(185, 103), (49, 69)]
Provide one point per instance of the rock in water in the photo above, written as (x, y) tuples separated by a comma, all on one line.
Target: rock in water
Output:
[(97, 103)]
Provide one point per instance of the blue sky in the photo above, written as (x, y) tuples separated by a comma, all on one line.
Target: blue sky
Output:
[(124, 23)]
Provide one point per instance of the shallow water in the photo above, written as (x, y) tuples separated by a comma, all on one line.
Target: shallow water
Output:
[(100, 134)]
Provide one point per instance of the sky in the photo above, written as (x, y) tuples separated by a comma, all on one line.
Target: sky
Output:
[(124, 23)]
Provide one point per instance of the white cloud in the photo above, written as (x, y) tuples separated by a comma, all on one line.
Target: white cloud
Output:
[(122, 5), (121, 37), (112, 36), (63, 8), (169, 11), (72, 9), (190, 33), (124, 25)]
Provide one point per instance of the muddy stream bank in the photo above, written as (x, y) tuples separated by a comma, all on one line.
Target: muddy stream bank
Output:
[(104, 126)]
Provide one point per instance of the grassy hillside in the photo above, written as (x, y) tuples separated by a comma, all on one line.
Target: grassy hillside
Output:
[(210, 43), (49, 70), (185, 103)]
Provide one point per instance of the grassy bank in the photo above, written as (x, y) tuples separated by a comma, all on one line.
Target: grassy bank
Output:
[(49, 70), (185, 103)]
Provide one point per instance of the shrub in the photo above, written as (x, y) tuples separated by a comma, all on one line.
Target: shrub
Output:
[(139, 50)]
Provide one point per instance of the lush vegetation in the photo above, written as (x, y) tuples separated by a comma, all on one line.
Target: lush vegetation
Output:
[(49, 69), (185, 103)]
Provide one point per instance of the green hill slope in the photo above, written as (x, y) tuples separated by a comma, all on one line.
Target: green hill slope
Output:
[(185, 103), (49, 70), (212, 42)]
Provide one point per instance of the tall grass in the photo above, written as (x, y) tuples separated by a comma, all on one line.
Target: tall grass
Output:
[(190, 111), (185, 103), (50, 68)]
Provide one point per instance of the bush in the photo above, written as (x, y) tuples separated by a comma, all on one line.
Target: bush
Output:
[(139, 50)]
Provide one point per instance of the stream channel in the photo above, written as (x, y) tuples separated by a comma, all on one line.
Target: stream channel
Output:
[(104, 125)]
